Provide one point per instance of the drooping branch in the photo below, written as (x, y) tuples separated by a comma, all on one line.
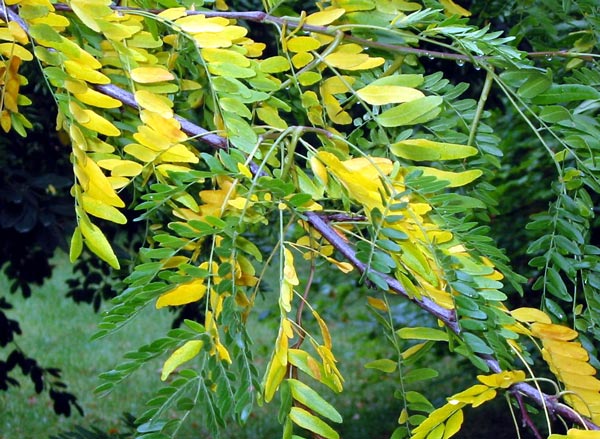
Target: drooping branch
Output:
[(292, 22), (321, 223)]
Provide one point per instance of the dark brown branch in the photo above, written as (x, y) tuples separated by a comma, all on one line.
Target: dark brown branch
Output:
[(320, 224)]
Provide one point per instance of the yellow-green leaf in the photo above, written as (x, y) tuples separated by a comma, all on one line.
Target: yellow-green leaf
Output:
[(181, 355), (275, 64), (76, 245), (388, 94), (311, 399), (310, 422), (422, 334), (428, 150), (383, 364), (102, 210), (97, 243), (456, 179), (188, 292), (574, 433), (411, 113)]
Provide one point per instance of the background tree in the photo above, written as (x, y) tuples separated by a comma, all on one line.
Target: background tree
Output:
[(261, 150)]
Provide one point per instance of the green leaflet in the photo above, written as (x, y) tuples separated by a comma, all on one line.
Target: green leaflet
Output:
[(422, 334), (304, 419), (561, 93), (383, 364), (427, 150), (411, 113), (311, 399)]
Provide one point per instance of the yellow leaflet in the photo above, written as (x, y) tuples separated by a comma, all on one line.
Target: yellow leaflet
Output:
[(323, 18), (337, 84), (153, 102), (118, 31), (172, 13), (17, 32), (435, 418), (377, 303), (89, 11), (302, 44), (199, 23), (97, 99), (582, 434), (452, 8), (169, 128), (76, 86), (370, 167), (324, 329), (270, 116), (181, 355), (560, 363), (273, 377), (97, 185), (412, 350), (301, 59), (362, 189), (121, 168), (13, 49), (147, 75), (97, 123), (587, 382), (421, 149), (568, 349), (80, 71), (152, 138), (335, 111), (388, 94), (530, 315), (503, 379), (353, 61), (453, 424), (554, 332), (244, 170), (179, 154), (227, 56), (456, 179), (102, 210), (188, 292), (97, 242)]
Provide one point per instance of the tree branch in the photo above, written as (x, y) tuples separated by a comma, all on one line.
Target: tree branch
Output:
[(319, 222)]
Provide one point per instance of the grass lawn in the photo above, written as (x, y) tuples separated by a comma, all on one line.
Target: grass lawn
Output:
[(57, 331)]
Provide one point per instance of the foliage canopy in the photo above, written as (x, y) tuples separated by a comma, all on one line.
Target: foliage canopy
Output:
[(261, 147)]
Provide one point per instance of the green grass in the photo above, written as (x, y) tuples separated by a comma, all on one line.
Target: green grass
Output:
[(57, 333)]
